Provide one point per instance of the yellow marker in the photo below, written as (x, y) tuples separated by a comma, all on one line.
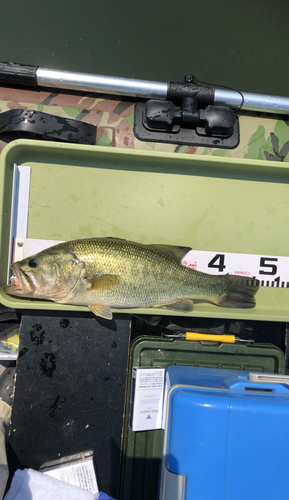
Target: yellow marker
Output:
[(228, 339)]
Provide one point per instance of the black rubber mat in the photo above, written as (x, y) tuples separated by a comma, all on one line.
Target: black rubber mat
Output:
[(70, 391)]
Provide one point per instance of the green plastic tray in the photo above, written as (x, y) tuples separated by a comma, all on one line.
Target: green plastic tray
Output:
[(208, 203), (142, 450)]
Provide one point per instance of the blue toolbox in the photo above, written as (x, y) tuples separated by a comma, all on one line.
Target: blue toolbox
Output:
[(226, 435)]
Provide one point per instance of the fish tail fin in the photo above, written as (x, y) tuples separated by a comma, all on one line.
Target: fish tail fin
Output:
[(240, 292)]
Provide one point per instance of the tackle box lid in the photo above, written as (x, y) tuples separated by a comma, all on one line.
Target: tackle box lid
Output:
[(222, 436), (142, 451)]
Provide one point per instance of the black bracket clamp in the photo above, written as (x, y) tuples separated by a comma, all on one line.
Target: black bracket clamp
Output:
[(188, 117)]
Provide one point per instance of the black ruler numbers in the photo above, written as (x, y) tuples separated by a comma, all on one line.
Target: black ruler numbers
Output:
[(268, 266)]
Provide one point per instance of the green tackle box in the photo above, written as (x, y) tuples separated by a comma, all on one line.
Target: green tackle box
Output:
[(142, 451), (209, 203)]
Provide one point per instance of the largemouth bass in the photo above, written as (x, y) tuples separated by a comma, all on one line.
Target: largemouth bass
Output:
[(108, 272)]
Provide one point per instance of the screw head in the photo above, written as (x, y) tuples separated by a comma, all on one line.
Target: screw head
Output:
[(189, 79)]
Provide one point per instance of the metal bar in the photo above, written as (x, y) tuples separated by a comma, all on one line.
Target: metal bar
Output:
[(253, 102), (98, 83), (154, 90)]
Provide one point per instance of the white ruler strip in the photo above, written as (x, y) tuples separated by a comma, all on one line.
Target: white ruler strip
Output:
[(22, 174), (19, 207), (25, 247), (269, 270)]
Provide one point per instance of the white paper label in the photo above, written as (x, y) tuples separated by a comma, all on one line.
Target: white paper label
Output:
[(146, 398), (80, 474)]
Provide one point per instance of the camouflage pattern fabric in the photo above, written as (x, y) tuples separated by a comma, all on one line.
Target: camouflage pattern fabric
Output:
[(262, 137)]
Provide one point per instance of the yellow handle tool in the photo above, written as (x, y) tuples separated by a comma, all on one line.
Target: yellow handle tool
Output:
[(228, 339)]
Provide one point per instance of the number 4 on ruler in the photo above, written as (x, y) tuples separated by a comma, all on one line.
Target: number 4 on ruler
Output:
[(218, 262)]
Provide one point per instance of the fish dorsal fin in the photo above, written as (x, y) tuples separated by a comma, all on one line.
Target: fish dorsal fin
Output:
[(114, 238), (103, 282), (102, 311), (175, 251)]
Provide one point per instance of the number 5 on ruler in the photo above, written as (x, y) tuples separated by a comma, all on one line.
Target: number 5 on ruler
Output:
[(265, 262)]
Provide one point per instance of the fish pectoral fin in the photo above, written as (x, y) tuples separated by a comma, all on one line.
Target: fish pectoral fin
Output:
[(102, 311), (186, 305), (177, 252), (103, 282)]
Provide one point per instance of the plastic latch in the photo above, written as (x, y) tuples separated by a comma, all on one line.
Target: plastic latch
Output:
[(263, 387), (228, 382), (272, 378)]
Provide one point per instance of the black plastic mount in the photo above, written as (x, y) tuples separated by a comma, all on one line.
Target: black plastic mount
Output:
[(187, 117)]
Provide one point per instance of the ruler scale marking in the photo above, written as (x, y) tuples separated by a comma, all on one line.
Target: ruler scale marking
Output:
[(263, 268)]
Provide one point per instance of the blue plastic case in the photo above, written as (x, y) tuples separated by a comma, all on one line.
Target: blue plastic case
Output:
[(225, 437)]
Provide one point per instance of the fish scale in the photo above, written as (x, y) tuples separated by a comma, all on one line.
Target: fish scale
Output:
[(144, 271)]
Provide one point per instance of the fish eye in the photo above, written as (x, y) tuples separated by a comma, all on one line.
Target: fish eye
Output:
[(33, 263)]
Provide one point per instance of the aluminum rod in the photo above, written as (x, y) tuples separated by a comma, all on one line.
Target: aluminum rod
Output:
[(253, 102), (98, 83), (153, 90)]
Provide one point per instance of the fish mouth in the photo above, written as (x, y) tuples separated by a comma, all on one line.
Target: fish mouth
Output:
[(22, 285)]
